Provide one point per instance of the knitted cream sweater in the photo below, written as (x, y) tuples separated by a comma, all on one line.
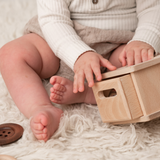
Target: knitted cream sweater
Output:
[(55, 18)]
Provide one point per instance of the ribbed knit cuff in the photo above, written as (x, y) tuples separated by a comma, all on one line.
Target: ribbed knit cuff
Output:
[(70, 52), (149, 36)]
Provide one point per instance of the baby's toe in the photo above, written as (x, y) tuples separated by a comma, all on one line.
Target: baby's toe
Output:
[(57, 92), (37, 126), (56, 101), (54, 96), (53, 80), (35, 131), (59, 87), (51, 89), (41, 136)]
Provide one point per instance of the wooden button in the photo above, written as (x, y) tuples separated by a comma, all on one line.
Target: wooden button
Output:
[(95, 1), (10, 133), (5, 157)]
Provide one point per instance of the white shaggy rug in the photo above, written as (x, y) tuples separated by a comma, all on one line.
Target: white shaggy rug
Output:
[(81, 134)]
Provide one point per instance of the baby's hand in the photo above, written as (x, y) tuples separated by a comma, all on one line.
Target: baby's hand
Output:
[(136, 52), (87, 64)]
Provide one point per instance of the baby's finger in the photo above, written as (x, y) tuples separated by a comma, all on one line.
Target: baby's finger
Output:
[(107, 64), (137, 57), (80, 81), (97, 72), (130, 57), (150, 54), (89, 76), (75, 86), (144, 54)]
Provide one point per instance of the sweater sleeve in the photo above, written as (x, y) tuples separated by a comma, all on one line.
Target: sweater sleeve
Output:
[(57, 27), (148, 29)]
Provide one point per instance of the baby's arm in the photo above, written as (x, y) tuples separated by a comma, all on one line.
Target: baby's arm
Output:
[(147, 35), (57, 27)]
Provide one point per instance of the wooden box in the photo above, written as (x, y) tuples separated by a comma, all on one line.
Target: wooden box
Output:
[(130, 94)]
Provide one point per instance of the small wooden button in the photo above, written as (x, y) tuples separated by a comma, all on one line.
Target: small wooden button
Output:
[(10, 133), (5, 157), (95, 1)]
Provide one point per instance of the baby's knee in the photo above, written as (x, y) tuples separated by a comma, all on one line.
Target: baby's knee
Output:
[(7, 55), (118, 50), (3, 55)]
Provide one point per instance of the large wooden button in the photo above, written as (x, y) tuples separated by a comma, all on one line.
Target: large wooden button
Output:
[(5, 157), (95, 1), (10, 133)]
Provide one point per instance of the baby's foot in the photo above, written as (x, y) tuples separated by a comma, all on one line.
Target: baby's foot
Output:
[(62, 92), (45, 122)]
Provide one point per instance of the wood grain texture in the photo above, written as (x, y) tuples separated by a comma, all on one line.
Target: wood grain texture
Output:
[(113, 108), (147, 85), (131, 96), (125, 70), (138, 93), (141, 119)]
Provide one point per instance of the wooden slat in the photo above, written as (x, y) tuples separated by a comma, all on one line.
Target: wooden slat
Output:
[(147, 85), (141, 119), (125, 70), (131, 96)]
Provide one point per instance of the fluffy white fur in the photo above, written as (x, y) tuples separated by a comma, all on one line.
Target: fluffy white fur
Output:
[(81, 134)]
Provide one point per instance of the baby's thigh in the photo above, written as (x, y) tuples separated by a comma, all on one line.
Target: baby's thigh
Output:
[(50, 63), (32, 50), (114, 58)]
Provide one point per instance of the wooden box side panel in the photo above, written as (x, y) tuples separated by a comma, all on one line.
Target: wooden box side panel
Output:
[(114, 108), (147, 85), (131, 96)]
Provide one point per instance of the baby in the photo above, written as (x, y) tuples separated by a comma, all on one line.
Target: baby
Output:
[(30, 58)]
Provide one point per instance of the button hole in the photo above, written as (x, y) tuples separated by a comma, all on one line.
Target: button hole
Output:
[(6, 135), (9, 132), (4, 131), (0, 134), (95, 1)]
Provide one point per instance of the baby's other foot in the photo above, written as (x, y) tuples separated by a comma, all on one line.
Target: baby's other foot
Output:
[(62, 92), (45, 122)]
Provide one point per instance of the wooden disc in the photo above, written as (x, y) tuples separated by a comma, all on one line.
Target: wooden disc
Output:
[(10, 133), (5, 157)]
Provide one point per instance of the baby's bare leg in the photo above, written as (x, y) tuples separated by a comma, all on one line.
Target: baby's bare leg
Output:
[(23, 62)]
